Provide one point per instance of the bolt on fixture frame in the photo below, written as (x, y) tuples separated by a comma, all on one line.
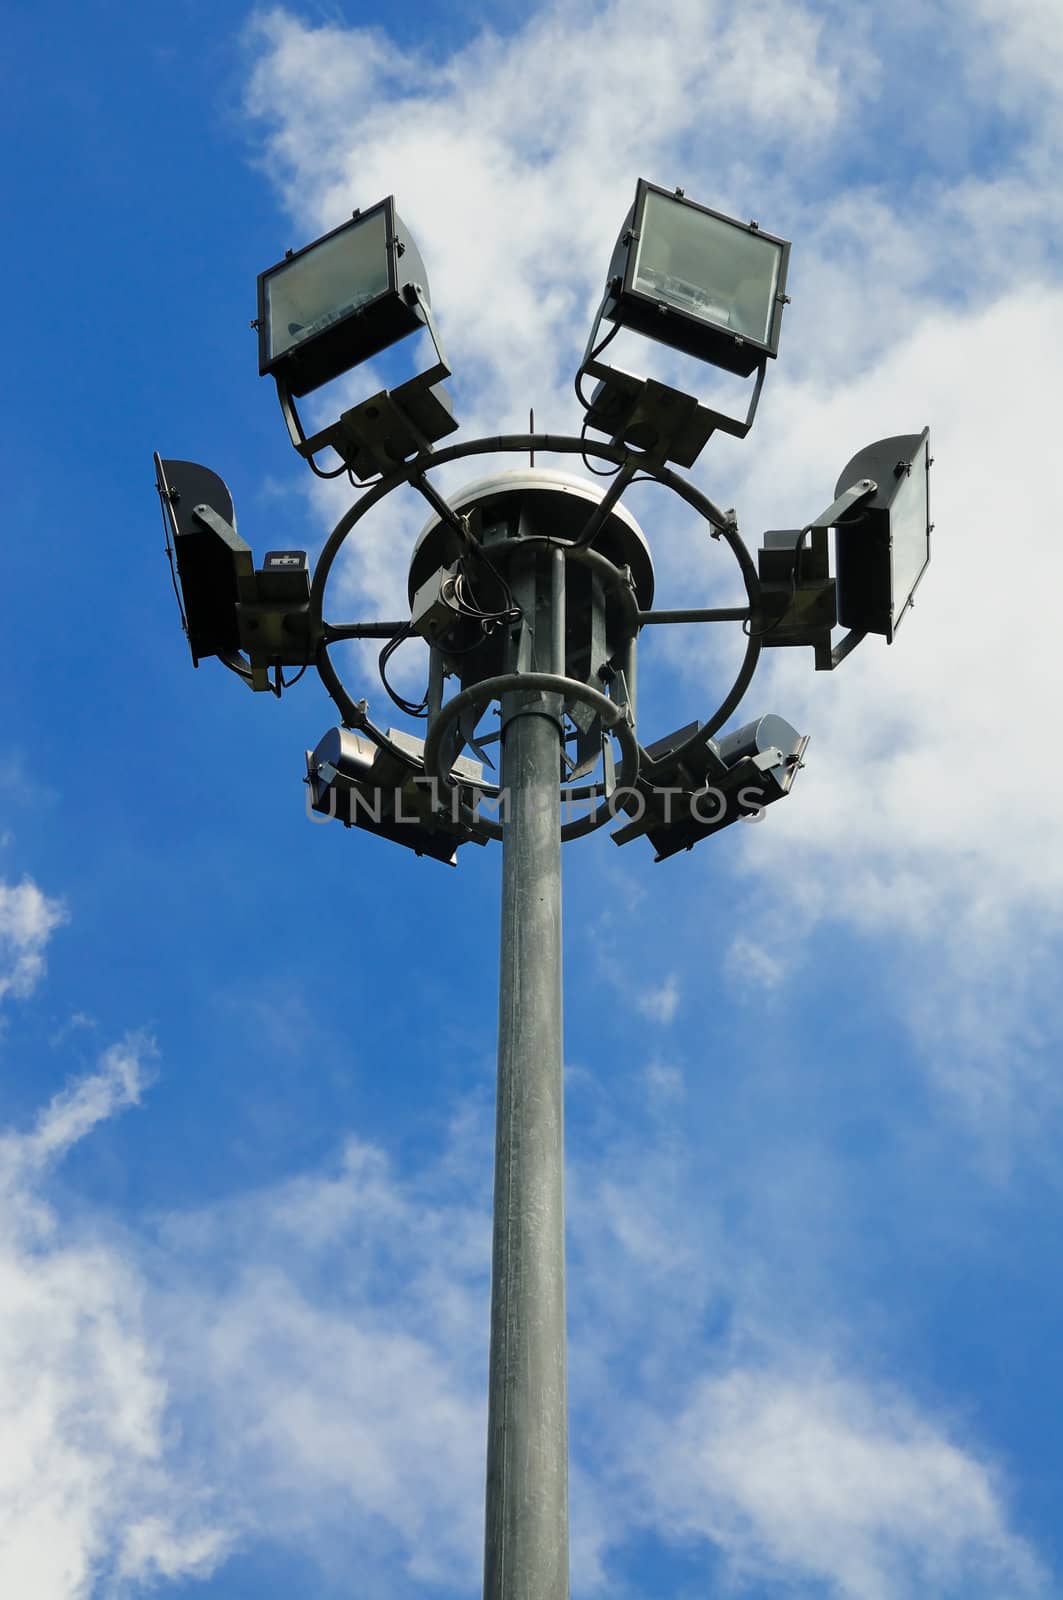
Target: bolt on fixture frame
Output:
[(530, 589)]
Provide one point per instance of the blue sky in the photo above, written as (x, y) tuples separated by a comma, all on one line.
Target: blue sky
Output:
[(247, 1063)]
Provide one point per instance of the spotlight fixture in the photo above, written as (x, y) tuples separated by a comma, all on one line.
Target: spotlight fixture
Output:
[(881, 522), (210, 555), (383, 789), (703, 283), (337, 302), (691, 787), (883, 548), (226, 605)]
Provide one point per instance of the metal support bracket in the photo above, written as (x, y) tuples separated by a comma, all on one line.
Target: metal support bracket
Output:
[(799, 600), (664, 423), (390, 427), (243, 560)]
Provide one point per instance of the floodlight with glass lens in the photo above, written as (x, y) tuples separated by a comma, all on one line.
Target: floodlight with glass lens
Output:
[(336, 303), (882, 548), (700, 282)]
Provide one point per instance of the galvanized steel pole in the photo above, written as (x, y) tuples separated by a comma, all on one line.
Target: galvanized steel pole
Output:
[(526, 1531)]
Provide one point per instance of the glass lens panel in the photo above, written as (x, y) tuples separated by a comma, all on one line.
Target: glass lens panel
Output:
[(707, 267), (909, 536), (329, 281)]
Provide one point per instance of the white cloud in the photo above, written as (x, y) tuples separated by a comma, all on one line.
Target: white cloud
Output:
[(920, 761), (751, 965), (328, 1334), (664, 1084), (304, 1366), (28, 918), (767, 1442), (928, 812), (660, 1002), (75, 1111), (1027, 58), (78, 1020), (814, 1477), (87, 1492), (339, 1419)]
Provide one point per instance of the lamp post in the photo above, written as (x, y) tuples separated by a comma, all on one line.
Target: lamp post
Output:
[(530, 589)]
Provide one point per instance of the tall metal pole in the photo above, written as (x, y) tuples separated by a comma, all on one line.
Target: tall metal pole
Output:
[(526, 1532)]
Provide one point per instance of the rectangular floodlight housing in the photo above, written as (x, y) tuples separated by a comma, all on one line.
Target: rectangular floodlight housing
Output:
[(337, 302), (211, 557), (694, 788), (882, 552), (352, 780), (699, 281)]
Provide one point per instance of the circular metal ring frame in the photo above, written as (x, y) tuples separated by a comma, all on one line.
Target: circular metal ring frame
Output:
[(614, 717), (354, 714)]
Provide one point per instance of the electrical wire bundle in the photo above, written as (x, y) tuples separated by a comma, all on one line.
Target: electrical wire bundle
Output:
[(411, 710), (458, 592), (599, 472)]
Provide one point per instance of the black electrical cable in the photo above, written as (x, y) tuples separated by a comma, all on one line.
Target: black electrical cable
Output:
[(408, 706), (599, 472), (595, 353), (291, 682), (511, 611), (465, 601), (321, 473)]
